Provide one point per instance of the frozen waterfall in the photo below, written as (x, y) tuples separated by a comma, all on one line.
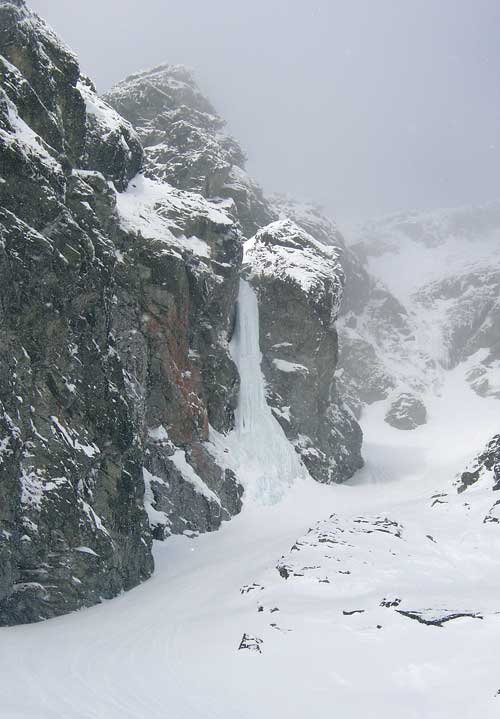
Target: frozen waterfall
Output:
[(257, 450)]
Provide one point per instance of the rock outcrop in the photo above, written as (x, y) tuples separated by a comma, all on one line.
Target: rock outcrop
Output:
[(406, 412), (185, 143), (486, 466), (483, 475), (299, 283)]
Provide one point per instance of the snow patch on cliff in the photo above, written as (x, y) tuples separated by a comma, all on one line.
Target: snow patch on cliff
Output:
[(150, 208)]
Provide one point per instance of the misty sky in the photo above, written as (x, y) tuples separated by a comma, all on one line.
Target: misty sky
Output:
[(366, 106)]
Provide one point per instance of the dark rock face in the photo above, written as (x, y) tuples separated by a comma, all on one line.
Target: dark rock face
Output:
[(367, 315), (306, 402), (299, 284), (72, 524), (173, 318), (180, 130), (114, 341)]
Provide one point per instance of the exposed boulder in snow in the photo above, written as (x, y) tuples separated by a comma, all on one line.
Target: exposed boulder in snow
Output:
[(299, 283), (485, 467), (406, 412)]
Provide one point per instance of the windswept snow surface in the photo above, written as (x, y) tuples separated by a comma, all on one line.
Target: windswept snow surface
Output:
[(341, 584)]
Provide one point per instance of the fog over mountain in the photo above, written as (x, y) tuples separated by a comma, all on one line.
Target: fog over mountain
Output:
[(366, 107), (249, 467)]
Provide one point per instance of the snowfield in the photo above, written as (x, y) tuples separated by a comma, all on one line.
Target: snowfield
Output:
[(380, 598)]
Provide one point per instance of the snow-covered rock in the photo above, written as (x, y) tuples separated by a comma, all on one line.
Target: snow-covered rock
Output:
[(181, 132), (484, 468), (299, 283), (283, 251), (432, 302), (185, 142)]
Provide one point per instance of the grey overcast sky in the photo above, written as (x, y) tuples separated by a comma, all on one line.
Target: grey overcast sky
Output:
[(365, 106)]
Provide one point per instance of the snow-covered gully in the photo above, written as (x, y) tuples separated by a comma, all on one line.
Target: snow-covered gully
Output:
[(372, 599)]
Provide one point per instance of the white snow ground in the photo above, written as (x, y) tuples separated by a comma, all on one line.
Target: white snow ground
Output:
[(170, 647)]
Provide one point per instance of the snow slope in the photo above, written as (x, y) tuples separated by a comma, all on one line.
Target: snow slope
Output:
[(379, 598)]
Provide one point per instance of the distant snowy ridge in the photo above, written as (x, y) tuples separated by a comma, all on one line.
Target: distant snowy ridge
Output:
[(436, 303)]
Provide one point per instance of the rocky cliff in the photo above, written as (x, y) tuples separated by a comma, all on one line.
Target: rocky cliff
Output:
[(121, 245), (290, 260), (73, 525), (114, 336), (300, 284)]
